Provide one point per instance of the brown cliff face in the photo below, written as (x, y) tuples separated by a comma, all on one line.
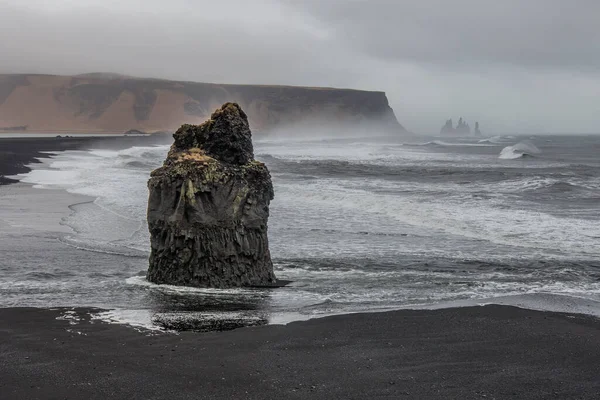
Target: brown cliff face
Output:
[(113, 103)]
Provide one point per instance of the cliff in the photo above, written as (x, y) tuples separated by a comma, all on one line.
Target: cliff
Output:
[(208, 207), (115, 103)]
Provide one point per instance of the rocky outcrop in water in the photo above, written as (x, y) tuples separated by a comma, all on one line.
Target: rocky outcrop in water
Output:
[(462, 128), (208, 207), (447, 128)]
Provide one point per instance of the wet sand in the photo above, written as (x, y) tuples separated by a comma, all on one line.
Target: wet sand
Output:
[(492, 352)]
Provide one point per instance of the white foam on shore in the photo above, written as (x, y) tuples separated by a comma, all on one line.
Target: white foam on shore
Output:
[(145, 320), (139, 319), (140, 280), (46, 178), (70, 316), (549, 302), (545, 302)]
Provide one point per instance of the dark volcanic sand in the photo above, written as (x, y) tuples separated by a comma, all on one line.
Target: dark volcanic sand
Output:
[(491, 352), (16, 153)]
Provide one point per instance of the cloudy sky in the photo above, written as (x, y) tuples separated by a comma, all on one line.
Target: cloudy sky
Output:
[(524, 65)]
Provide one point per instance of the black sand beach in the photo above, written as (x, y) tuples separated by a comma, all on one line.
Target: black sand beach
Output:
[(492, 352), (16, 153)]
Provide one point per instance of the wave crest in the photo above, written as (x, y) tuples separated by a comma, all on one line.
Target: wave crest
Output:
[(522, 149), (441, 143)]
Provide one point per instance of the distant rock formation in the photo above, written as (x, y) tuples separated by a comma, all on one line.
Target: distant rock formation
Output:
[(447, 128), (462, 128), (115, 103), (477, 131), (208, 207)]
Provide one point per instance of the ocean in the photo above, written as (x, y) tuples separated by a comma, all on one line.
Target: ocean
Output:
[(365, 224)]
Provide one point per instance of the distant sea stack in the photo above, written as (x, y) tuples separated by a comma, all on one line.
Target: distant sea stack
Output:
[(462, 128), (115, 103), (208, 207)]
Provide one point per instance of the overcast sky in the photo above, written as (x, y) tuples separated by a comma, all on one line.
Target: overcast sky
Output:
[(524, 65)]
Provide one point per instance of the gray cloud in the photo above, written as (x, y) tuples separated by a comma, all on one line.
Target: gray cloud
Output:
[(531, 33), (514, 65), (152, 39)]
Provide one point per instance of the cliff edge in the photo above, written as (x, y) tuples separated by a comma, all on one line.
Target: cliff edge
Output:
[(208, 207), (115, 103)]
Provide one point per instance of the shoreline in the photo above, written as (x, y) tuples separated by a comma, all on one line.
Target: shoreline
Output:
[(16, 153), (470, 352), (26, 150)]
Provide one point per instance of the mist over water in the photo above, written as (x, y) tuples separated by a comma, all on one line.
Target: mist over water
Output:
[(356, 224)]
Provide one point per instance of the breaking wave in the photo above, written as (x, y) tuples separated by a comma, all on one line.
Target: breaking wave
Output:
[(519, 150), (441, 143), (493, 140)]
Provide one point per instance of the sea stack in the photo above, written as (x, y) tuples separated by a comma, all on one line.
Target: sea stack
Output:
[(208, 207)]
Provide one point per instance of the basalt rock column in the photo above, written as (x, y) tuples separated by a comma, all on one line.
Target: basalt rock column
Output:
[(208, 207)]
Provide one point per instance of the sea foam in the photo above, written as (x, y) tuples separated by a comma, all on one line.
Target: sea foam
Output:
[(519, 150)]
